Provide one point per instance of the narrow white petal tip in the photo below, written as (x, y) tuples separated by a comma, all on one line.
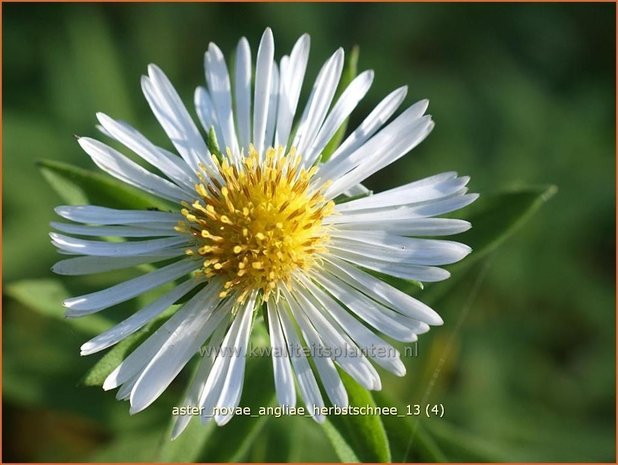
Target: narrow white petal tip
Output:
[(215, 50), (399, 369), (86, 348), (144, 81), (466, 250), (109, 384), (222, 421), (180, 425), (102, 117), (137, 405), (84, 142), (84, 353), (70, 303), (465, 225), (133, 411), (319, 418), (402, 90), (154, 69), (267, 38)]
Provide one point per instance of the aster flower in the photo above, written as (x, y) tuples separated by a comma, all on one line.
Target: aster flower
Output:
[(263, 223)]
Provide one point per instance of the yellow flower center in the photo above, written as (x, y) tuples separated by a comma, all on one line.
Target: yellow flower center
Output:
[(256, 223)]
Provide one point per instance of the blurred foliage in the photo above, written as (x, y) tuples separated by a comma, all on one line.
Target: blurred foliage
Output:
[(521, 94)]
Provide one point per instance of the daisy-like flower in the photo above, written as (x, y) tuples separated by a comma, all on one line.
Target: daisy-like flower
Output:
[(264, 224)]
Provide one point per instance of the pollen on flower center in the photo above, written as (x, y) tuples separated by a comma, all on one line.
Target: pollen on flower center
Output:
[(257, 221)]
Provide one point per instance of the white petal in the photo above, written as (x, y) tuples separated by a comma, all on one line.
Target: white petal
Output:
[(170, 164), (410, 226), (221, 93), (400, 249), (351, 359), (345, 352), (306, 380), (432, 188), (292, 76), (383, 292), (206, 112), (419, 210), (331, 380), (405, 127), (137, 320), (232, 387), (388, 322), (91, 303), (92, 264), (282, 370), (380, 155), (181, 345), (263, 85), (114, 249), (125, 390), (376, 119), (357, 190), (118, 231), (174, 118), (400, 270), (131, 366), (380, 351), (129, 172), (272, 107), (212, 389), (319, 102), (242, 88), (350, 97), (102, 215), (197, 384)]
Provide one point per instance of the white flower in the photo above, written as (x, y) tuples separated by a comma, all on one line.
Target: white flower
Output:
[(265, 222)]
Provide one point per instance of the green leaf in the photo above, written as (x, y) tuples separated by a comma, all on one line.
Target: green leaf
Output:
[(45, 296), (349, 73), (343, 450), (364, 434), (213, 143), (409, 441), (494, 219), (108, 363), (189, 445), (78, 186)]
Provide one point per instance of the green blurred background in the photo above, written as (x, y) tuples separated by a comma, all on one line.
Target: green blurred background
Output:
[(521, 95)]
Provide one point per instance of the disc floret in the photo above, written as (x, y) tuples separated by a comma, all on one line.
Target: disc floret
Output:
[(258, 221)]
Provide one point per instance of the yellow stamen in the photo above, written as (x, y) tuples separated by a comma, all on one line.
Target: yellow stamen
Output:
[(259, 223)]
